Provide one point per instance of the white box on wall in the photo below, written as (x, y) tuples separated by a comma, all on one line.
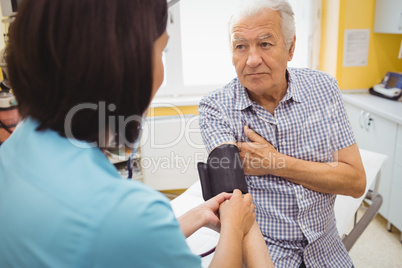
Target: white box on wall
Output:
[(388, 16)]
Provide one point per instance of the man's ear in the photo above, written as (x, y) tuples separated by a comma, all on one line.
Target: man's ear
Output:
[(292, 49)]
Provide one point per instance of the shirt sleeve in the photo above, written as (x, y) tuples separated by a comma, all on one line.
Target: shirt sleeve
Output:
[(143, 234), (341, 129), (214, 124)]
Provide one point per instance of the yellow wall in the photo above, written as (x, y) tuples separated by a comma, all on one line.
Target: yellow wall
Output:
[(383, 48), (170, 111)]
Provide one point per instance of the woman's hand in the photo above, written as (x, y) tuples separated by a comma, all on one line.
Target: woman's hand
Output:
[(237, 217), (238, 212), (204, 215), (209, 211)]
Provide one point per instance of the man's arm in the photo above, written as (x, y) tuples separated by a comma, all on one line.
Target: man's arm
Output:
[(214, 125), (344, 176), (255, 251)]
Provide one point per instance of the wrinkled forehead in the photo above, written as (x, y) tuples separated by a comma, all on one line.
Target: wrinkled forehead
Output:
[(264, 24), (246, 16)]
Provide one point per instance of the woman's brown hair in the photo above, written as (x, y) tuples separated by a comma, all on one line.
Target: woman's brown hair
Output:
[(63, 53)]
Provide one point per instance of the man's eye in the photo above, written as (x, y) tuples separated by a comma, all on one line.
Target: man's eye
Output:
[(265, 44), (240, 47)]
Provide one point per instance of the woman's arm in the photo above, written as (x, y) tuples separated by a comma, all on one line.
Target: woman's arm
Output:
[(234, 246)]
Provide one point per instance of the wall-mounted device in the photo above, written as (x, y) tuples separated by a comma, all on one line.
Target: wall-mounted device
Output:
[(390, 86), (9, 7)]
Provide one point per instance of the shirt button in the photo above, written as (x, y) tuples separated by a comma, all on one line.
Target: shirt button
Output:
[(284, 143), (300, 196), (304, 227)]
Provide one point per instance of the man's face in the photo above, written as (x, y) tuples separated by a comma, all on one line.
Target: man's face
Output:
[(259, 53)]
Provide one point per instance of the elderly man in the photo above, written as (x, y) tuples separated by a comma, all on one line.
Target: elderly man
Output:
[(295, 140)]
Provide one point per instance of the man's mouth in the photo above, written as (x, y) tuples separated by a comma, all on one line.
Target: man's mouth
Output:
[(256, 74)]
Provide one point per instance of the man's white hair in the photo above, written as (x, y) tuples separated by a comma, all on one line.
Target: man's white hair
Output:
[(254, 7)]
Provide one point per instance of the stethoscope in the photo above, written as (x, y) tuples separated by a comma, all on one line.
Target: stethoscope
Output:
[(130, 165), (131, 158)]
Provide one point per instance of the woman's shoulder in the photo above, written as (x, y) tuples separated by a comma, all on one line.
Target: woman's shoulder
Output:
[(141, 194), (142, 228)]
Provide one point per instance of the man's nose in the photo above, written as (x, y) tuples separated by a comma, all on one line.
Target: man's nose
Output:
[(254, 58)]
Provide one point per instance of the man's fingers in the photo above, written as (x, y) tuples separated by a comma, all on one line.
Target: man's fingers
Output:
[(253, 136), (247, 146), (239, 144)]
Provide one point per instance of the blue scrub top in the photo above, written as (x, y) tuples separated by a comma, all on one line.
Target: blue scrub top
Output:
[(65, 205)]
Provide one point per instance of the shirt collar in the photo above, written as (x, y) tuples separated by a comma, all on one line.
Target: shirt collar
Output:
[(294, 90), (241, 96), (243, 101)]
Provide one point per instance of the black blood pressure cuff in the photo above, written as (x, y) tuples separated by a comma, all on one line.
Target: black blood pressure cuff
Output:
[(223, 172)]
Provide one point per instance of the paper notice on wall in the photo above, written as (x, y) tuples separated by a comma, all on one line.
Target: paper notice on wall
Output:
[(356, 47)]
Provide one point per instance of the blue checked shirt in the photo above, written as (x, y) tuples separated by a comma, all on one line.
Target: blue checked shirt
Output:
[(310, 123)]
